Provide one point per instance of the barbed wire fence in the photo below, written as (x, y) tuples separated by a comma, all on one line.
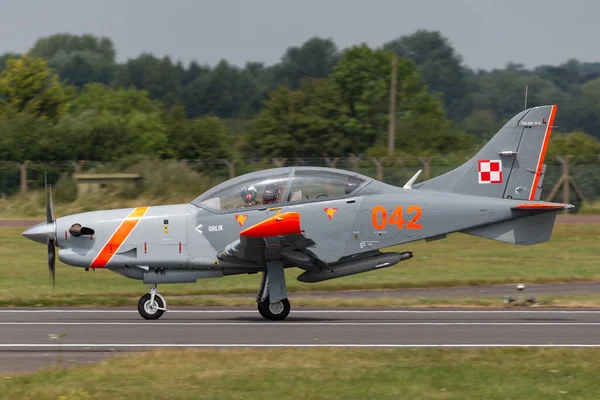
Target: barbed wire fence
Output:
[(567, 178)]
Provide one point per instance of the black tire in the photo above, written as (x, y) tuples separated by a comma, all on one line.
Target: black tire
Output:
[(265, 309), (148, 315)]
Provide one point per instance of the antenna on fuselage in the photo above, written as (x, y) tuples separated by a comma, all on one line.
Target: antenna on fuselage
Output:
[(526, 90), (412, 180)]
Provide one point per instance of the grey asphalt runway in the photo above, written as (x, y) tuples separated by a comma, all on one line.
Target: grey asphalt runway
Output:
[(31, 338)]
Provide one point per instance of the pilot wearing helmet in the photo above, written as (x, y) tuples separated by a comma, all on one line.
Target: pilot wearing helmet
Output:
[(271, 194), (249, 196), (352, 184)]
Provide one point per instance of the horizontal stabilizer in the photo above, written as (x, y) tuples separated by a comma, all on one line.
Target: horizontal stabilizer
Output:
[(543, 206), (533, 229)]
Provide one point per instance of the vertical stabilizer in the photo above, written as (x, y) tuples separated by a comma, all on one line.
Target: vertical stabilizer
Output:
[(510, 165)]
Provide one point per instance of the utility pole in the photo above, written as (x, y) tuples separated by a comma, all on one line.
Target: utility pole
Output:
[(392, 122)]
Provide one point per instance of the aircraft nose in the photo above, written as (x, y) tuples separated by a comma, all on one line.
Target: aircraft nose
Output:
[(40, 232)]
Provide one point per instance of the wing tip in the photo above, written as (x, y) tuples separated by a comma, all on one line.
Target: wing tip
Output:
[(543, 206)]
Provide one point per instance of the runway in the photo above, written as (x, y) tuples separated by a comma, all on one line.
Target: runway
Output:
[(30, 338)]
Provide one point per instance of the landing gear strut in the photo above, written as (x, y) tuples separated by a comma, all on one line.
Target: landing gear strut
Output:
[(272, 296), (152, 305)]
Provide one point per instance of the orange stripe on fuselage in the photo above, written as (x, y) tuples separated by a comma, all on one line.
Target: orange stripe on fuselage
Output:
[(538, 170), (117, 238)]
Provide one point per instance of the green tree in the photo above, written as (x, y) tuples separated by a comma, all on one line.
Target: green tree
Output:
[(29, 86), (205, 138), (302, 123), (348, 113), (313, 59), (5, 57), (439, 65), (109, 124), (503, 91), (78, 59), (424, 129), (569, 75), (228, 90), (583, 113), (575, 143), (23, 136), (482, 123), (362, 77), (159, 77)]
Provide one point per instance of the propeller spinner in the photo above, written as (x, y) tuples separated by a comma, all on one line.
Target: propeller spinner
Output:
[(52, 236), (45, 232)]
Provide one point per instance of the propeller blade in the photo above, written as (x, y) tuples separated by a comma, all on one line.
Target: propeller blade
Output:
[(52, 261), (49, 205)]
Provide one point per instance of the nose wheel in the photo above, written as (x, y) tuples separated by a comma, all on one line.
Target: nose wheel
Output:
[(152, 305), (277, 311)]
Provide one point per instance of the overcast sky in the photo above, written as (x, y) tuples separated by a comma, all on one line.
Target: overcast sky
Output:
[(487, 33)]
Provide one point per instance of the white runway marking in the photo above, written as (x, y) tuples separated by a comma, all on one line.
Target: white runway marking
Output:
[(267, 324), (337, 311), (209, 345)]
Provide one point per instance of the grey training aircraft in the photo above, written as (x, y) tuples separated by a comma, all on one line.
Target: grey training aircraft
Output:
[(328, 222)]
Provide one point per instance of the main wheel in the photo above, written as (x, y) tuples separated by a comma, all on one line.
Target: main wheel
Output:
[(150, 310), (276, 311)]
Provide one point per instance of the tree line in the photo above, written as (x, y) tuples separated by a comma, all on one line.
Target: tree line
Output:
[(68, 98)]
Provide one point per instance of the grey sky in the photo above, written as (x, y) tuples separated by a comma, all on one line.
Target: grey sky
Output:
[(487, 33)]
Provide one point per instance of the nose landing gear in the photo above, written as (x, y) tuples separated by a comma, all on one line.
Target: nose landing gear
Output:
[(152, 305)]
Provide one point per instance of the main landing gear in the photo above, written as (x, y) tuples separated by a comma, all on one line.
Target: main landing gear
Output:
[(272, 300), (152, 305), (272, 296)]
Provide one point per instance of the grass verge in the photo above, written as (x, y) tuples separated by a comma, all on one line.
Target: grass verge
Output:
[(323, 373), (354, 302)]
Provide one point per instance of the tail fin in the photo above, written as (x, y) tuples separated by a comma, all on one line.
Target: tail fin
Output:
[(510, 165)]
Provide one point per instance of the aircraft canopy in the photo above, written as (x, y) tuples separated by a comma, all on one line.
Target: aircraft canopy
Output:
[(280, 186)]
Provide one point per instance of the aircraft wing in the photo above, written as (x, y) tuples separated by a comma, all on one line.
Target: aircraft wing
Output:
[(276, 238)]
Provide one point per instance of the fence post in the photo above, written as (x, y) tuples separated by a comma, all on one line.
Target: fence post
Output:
[(354, 160), (330, 162), (567, 175), (565, 182), (24, 176), (79, 166), (426, 161), (231, 167), (279, 162), (379, 166)]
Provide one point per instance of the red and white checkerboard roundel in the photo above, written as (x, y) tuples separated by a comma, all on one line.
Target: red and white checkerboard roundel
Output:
[(490, 171)]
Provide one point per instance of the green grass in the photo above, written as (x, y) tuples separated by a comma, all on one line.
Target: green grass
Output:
[(460, 260), (590, 208), (322, 374)]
